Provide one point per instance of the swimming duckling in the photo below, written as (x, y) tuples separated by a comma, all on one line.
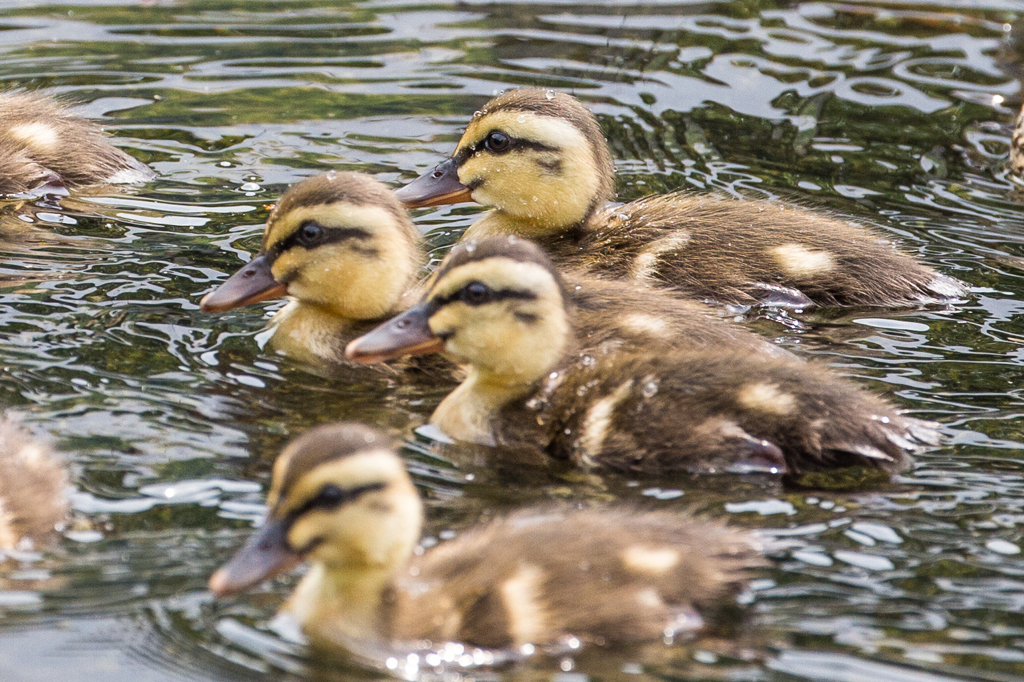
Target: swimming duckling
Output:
[(499, 306), (341, 499), (538, 158), (345, 252), (44, 147), (33, 489)]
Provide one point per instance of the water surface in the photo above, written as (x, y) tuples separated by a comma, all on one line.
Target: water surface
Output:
[(895, 113)]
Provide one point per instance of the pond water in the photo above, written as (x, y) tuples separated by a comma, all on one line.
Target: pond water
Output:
[(897, 113)]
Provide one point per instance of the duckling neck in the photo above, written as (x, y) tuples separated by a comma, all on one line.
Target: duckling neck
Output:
[(469, 412), (343, 601), (498, 223), (306, 330)]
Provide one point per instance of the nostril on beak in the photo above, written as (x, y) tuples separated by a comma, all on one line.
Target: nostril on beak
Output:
[(402, 324), (249, 273), (436, 174)]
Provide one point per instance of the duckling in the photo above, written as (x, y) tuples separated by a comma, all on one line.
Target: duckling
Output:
[(44, 147), (538, 158), (499, 306), (341, 499), (33, 489), (1016, 160), (345, 252)]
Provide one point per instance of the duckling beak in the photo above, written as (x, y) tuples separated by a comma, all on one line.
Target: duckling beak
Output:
[(252, 284), (407, 334), (265, 555), (439, 186)]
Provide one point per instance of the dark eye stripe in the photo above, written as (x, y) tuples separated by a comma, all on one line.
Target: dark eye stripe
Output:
[(496, 295), (515, 144), (331, 235), (332, 497)]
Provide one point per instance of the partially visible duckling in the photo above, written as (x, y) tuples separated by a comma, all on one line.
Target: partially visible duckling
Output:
[(1016, 160), (538, 158), (499, 306), (44, 147), (345, 252), (341, 499), (33, 489)]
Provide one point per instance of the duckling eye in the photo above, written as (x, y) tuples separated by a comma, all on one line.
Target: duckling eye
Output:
[(330, 496), (310, 234), (476, 293), (497, 142)]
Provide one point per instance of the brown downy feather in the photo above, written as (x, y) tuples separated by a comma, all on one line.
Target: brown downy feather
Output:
[(541, 575), (42, 143), (548, 174), (708, 412), (33, 483), (773, 254)]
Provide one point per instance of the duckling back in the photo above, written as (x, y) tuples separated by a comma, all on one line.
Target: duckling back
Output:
[(33, 486), (42, 143), (543, 575), (712, 411), (749, 252)]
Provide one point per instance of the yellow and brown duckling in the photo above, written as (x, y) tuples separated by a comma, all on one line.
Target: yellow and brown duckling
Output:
[(341, 499), (33, 489), (45, 148), (539, 160), (343, 249), (499, 306)]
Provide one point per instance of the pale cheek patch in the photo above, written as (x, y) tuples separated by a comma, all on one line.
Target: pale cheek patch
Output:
[(799, 261), (767, 398), (650, 561), (36, 135)]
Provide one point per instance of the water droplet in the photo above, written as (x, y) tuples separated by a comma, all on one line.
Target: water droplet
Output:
[(650, 387), (567, 432), (587, 360), (521, 118), (550, 94)]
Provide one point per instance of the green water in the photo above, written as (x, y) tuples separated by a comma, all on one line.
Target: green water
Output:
[(897, 113)]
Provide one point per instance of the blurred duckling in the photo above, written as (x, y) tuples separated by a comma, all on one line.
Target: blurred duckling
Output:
[(341, 499), (44, 148), (1016, 160), (499, 306), (538, 158), (343, 249), (33, 489)]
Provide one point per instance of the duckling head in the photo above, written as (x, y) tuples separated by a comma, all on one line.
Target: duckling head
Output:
[(341, 497), (497, 304), (538, 157), (337, 241)]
